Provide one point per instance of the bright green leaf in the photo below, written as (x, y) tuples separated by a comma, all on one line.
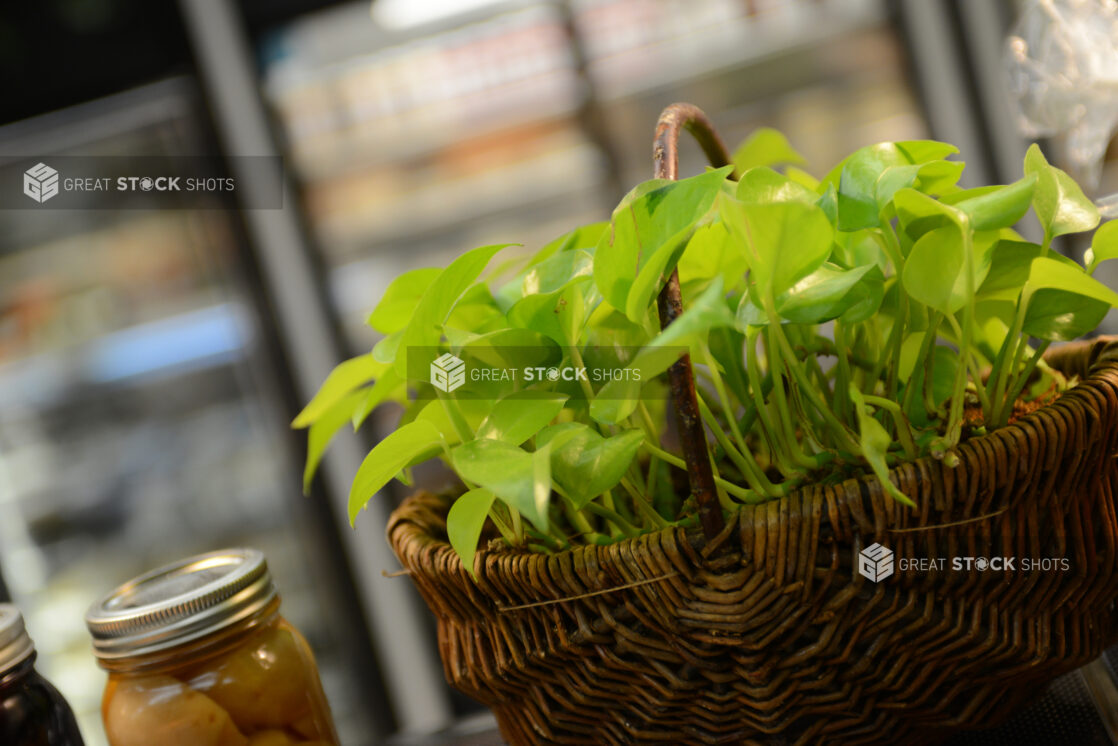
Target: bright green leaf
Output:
[(1060, 204), (823, 295), (765, 147), (465, 522), (425, 327), (762, 185), (413, 440), (650, 229), (560, 314), (711, 252), (1104, 245), (583, 237), (385, 350), (618, 398), (870, 177), (322, 431), (398, 302), (1060, 315), (1046, 272), (784, 242), (520, 479), (386, 387), (346, 377), (933, 273), (875, 441), (520, 415), (1001, 207), (584, 463)]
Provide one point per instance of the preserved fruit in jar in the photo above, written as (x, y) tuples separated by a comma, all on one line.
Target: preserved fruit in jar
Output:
[(32, 712), (198, 655)]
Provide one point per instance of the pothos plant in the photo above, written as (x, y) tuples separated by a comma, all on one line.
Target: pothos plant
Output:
[(837, 326)]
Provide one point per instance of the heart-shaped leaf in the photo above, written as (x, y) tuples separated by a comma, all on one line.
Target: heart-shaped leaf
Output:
[(710, 253), (520, 415), (1046, 272), (618, 398), (765, 147), (864, 186), (398, 302), (584, 463), (649, 231), (408, 443), (560, 314), (346, 377), (520, 479), (465, 522), (389, 386), (762, 185), (875, 441), (1104, 245), (933, 272), (1000, 207), (430, 313), (784, 242), (322, 431), (1060, 315), (1060, 204)]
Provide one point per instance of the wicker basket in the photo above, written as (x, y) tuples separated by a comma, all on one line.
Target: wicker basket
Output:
[(764, 630), (769, 634)]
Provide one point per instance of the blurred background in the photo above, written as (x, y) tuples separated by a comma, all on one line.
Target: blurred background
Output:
[(150, 361)]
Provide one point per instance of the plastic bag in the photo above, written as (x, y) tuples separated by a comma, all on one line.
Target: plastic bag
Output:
[(1062, 60)]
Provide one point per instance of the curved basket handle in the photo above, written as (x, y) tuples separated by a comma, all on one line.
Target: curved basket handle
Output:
[(665, 154)]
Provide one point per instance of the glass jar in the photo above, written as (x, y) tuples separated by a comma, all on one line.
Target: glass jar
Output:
[(32, 712), (198, 655)]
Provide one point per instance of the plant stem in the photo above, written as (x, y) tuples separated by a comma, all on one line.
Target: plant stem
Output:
[(587, 389), (780, 395), (506, 531), (1017, 343), (733, 489), (972, 363), (643, 506), (457, 419), (517, 525), (842, 376), (955, 414), (1022, 380), (742, 459), (896, 334), (904, 430), (844, 438), (768, 427), (547, 539), (723, 398), (613, 518), (577, 519), (926, 348)]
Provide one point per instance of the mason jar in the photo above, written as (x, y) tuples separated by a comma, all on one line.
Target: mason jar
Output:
[(32, 712), (198, 655)]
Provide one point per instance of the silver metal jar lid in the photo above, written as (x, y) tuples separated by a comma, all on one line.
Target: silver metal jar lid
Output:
[(15, 643), (180, 603)]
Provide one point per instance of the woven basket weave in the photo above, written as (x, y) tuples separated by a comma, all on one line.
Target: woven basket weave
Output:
[(768, 633)]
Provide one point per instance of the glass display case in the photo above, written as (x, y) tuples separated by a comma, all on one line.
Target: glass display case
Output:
[(415, 136), (140, 418)]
